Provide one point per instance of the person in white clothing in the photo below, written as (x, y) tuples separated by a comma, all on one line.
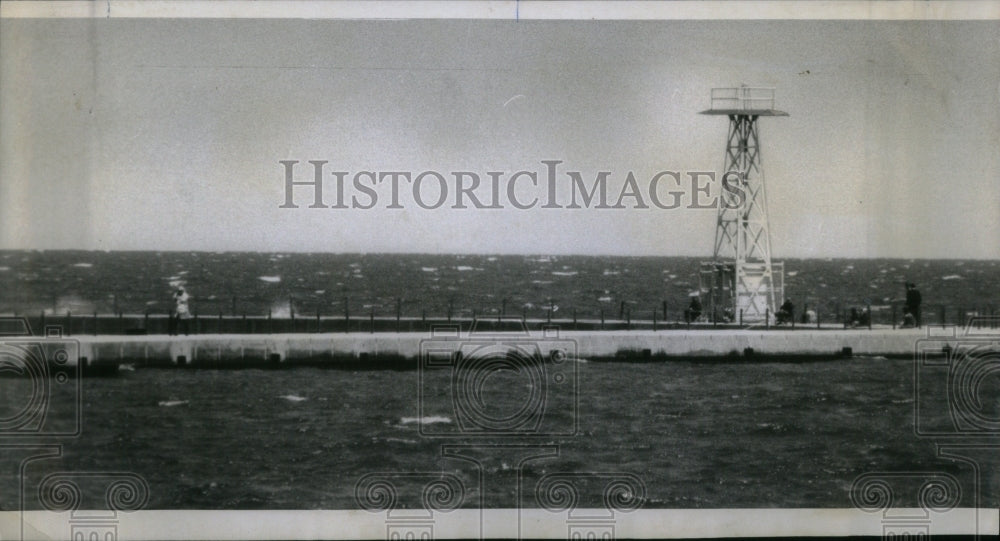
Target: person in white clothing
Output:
[(182, 312)]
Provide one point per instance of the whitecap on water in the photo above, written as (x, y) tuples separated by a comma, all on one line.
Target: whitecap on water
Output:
[(83, 265), (400, 440), (428, 420), (4, 269), (951, 277), (292, 397), (464, 268), (429, 269), (604, 299), (564, 273), (791, 273), (171, 403)]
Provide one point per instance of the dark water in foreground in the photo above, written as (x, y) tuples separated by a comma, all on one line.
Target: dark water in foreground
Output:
[(707, 434)]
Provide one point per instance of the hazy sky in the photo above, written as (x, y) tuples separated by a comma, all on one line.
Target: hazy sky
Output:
[(167, 134)]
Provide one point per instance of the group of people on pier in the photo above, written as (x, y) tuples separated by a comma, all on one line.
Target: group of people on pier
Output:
[(785, 315)]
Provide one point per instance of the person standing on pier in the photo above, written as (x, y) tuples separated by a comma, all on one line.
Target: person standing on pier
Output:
[(181, 311), (913, 300)]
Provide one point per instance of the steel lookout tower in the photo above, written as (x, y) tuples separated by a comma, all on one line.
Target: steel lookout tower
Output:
[(741, 280)]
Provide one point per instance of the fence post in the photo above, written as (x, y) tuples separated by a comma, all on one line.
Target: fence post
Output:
[(450, 308), (95, 322), (767, 318), (347, 314), (574, 319), (371, 320), (69, 323), (145, 321), (894, 317), (665, 312), (817, 315), (654, 319), (628, 320), (270, 326), (43, 321), (245, 330), (399, 311), (868, 307), (319, 324), (741, 317), (602, 319)]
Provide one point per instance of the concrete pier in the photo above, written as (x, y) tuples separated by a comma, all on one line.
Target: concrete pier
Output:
[(375, 349)]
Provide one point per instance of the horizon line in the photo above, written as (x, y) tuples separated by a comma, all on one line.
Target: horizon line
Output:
[(480, 254)]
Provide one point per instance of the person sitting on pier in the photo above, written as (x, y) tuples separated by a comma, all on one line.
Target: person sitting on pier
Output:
[(693, 311), (865, 318), (786, 313), (854, 319)]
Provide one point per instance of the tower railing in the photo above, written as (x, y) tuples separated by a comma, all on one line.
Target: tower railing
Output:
[(743, 98)]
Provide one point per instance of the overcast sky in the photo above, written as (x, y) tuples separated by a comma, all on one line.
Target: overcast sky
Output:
[(167, 134)]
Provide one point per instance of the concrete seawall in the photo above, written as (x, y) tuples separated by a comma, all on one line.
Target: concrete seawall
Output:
[(241, 350)]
